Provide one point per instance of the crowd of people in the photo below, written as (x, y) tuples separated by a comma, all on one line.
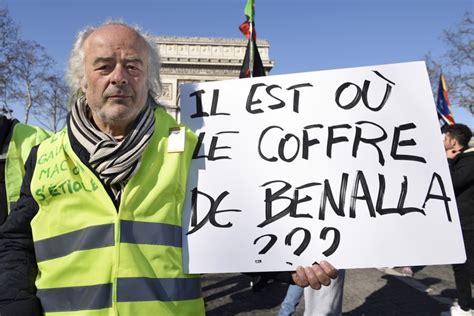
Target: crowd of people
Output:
[(90, 218)]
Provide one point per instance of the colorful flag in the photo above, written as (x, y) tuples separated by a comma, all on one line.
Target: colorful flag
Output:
[(443, 106), (250, 10), (245, 29), (257, 70), (247, 26), (252, 65)]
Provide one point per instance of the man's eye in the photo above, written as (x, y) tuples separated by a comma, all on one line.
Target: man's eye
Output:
[(103, 67), (133, 68)]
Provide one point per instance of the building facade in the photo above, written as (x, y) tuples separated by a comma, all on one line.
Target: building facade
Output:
[(200, 59)]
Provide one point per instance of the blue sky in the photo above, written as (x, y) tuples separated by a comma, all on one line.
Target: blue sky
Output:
[(304, 35)]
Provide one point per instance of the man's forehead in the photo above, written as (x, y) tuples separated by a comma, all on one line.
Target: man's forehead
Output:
[(448, 135), (115, 29), (115, 36)]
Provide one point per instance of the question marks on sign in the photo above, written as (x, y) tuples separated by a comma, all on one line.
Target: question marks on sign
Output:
[(304, 243), (335, 242), (269, 245)]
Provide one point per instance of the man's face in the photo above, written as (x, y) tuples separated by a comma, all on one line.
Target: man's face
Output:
[(448, 141), (115, 80)]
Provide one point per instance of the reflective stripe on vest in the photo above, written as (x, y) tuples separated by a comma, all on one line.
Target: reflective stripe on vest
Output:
[(103, 236), (150, 233), (83, 239), (76, 298), (24, 138), (146, 289), (128, 290), (83, 243)]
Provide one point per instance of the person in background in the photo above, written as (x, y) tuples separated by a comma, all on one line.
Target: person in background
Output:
[(326, 301), (292, 299), (16, 141), (101, 201), (407, 271), (461, 165)]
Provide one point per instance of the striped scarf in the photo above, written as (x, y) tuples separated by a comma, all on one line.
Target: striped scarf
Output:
[(114, 161)]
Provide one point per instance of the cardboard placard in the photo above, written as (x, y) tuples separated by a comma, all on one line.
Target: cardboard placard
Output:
[(343, 165)]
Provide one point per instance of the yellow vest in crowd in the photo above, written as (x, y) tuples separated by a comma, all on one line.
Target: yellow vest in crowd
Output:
[(94, 260), (24, 137)]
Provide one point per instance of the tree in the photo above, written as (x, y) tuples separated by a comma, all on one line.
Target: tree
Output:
[(457, 64), (460, 56), (53, 110), (26, 71), (31, 67), (8, 39)]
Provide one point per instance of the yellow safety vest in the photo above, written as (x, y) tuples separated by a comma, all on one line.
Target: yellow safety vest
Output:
[(24, 137), (93, 260)]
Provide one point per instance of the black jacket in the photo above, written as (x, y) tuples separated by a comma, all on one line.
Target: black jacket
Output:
[(17, 258), (16, 265), (462, 174), (6, 130)]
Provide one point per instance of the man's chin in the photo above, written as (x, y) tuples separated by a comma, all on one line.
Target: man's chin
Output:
[(119, 111), (119, 103), (113, 113)]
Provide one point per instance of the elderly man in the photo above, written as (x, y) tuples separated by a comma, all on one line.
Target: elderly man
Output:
[(103, 197)]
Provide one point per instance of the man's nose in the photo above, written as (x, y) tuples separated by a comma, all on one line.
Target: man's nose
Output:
[(119, 76)]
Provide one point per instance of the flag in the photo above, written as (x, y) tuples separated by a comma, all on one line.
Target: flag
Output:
[(443, 106), (252, 65), (257, 70), (250, 10), (247, 26), (245, 29)]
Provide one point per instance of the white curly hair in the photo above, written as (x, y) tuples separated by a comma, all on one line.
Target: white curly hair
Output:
[(75, 69)]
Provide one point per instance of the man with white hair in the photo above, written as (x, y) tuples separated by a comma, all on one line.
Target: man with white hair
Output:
[(101, 200)]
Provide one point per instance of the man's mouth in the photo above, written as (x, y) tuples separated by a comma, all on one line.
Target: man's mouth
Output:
[(118, 96)]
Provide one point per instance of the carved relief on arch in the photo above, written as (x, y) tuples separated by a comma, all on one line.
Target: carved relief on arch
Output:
[(167, 91)]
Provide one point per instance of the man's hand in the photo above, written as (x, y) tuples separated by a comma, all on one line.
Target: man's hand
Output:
[(315, 276), (451, 153)]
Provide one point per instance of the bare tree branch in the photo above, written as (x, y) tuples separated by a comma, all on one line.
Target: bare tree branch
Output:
[(25, 70), (458, 63), (8, 39), (30, 69), (53, 112)]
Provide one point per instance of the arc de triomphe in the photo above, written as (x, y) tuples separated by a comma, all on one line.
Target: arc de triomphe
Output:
[(198, 59)]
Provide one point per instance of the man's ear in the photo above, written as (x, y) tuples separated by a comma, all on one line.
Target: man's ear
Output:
[(83, 85)]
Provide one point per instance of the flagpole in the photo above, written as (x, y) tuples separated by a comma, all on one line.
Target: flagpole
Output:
[(251, 44)]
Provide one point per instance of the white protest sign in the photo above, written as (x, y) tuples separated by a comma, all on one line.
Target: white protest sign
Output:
[(343, 165)]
